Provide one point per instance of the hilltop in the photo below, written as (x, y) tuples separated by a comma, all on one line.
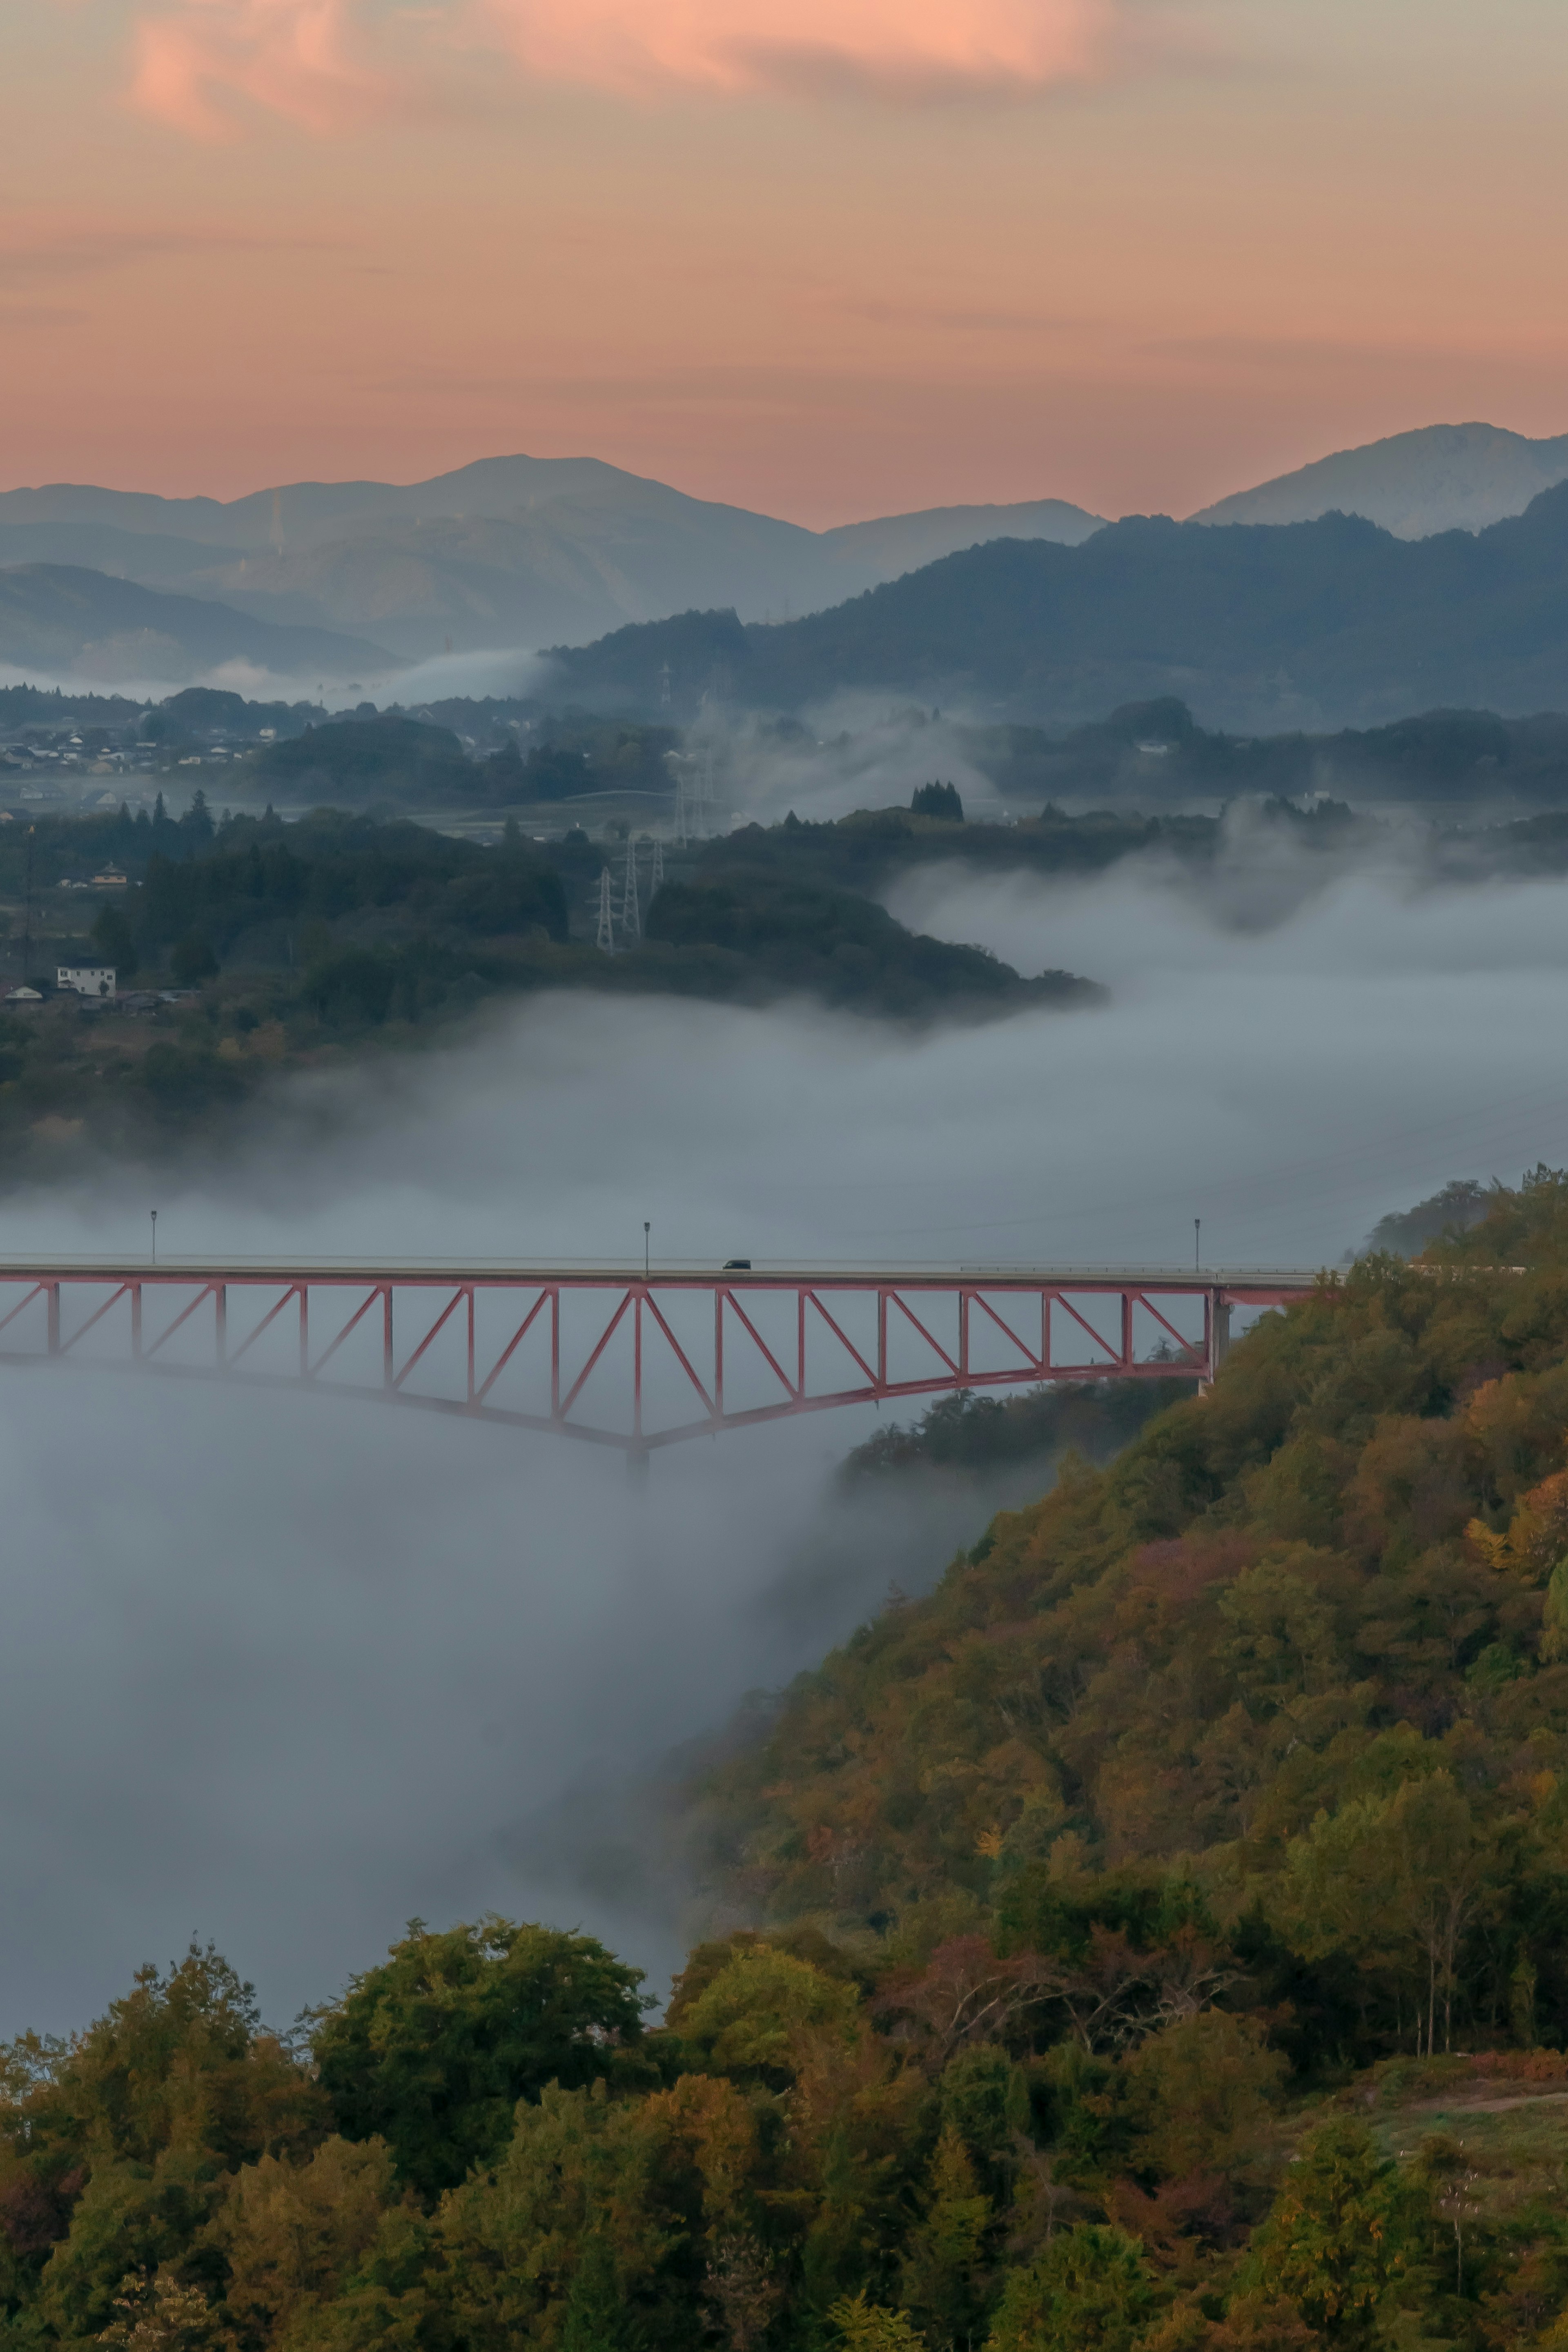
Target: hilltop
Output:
[(1439, 477), (510, 553)]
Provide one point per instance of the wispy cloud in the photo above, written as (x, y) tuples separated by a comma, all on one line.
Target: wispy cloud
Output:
[(901, 49), (325, 64), (304, 59)]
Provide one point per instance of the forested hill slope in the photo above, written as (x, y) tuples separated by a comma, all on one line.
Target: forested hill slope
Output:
[(1161, 1856), (1304, 1644), (1319, 625)]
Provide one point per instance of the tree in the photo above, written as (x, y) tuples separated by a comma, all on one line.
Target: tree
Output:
[(761, 2011), (938, 801), (355, 985), (132, 2127), (432, 2049), (1395, 1880), (595, 2308), (290, 2233), (1089, 2291), (114, 940), (742, 2289), (579, 2226), (196, 824), (1205, 2086), (941, 2278), (870, 2328), (159, 2314), (192, 959), (1333, 2243)]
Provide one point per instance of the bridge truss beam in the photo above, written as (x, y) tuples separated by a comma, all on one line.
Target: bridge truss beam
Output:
[(675, 1354)]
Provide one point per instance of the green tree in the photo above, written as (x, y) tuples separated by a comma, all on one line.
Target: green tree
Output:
[(938, 801), (582, 2223), (432, 2049), (762, 2011), (192, 959), (1395, 1880), (940, 2281), (595, 2308), (1089, 2291), (114, 940)]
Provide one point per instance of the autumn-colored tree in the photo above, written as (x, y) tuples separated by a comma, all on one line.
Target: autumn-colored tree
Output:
[(158, 2314), (1202, 2092), (1336, 2240), (291, 2233), (863, 2326)]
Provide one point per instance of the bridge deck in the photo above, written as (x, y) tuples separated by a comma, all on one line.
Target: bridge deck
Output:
[(670, 1274)]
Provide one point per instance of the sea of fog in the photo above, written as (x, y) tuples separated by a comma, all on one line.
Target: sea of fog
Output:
[(285, 1672)]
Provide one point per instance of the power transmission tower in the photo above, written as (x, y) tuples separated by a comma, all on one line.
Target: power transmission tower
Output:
[(656, 879), (664, 688), (605, 941), (694, 797), (27, 918), (631, 912)]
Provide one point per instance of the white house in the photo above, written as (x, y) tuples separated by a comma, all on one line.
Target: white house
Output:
[(85, 978)]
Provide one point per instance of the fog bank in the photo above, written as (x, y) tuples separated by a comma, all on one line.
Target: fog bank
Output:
[(285, 1671)]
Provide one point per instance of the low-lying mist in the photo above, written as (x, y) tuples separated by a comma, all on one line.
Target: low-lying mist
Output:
[(285, 1671)]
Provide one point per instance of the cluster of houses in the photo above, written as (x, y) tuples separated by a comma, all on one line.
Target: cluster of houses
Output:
[(96, 984)]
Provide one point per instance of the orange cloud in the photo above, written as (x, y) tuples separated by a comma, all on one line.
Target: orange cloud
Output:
[(901, 48), (294, 58)]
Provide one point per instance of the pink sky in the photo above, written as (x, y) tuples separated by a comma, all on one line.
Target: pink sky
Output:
[(826, 258)]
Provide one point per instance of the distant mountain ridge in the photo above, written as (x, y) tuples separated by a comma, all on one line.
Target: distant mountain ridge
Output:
[(513, 551), (1439, 477), (1259, 628)]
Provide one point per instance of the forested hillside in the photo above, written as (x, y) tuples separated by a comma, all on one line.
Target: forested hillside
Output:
[(1153, 1942), (1340, 1581), (1324, 625), (248, 948)]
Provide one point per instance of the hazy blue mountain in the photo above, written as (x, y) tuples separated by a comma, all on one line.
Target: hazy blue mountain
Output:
[(1442, 478), (899, 543), (512, 552), (58, 620), (1319, 625)]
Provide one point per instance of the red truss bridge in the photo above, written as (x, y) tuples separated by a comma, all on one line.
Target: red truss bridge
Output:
[(634, 1359)]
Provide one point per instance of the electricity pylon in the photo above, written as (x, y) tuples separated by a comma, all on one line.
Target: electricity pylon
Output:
[(605, 939), (631, 911)]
